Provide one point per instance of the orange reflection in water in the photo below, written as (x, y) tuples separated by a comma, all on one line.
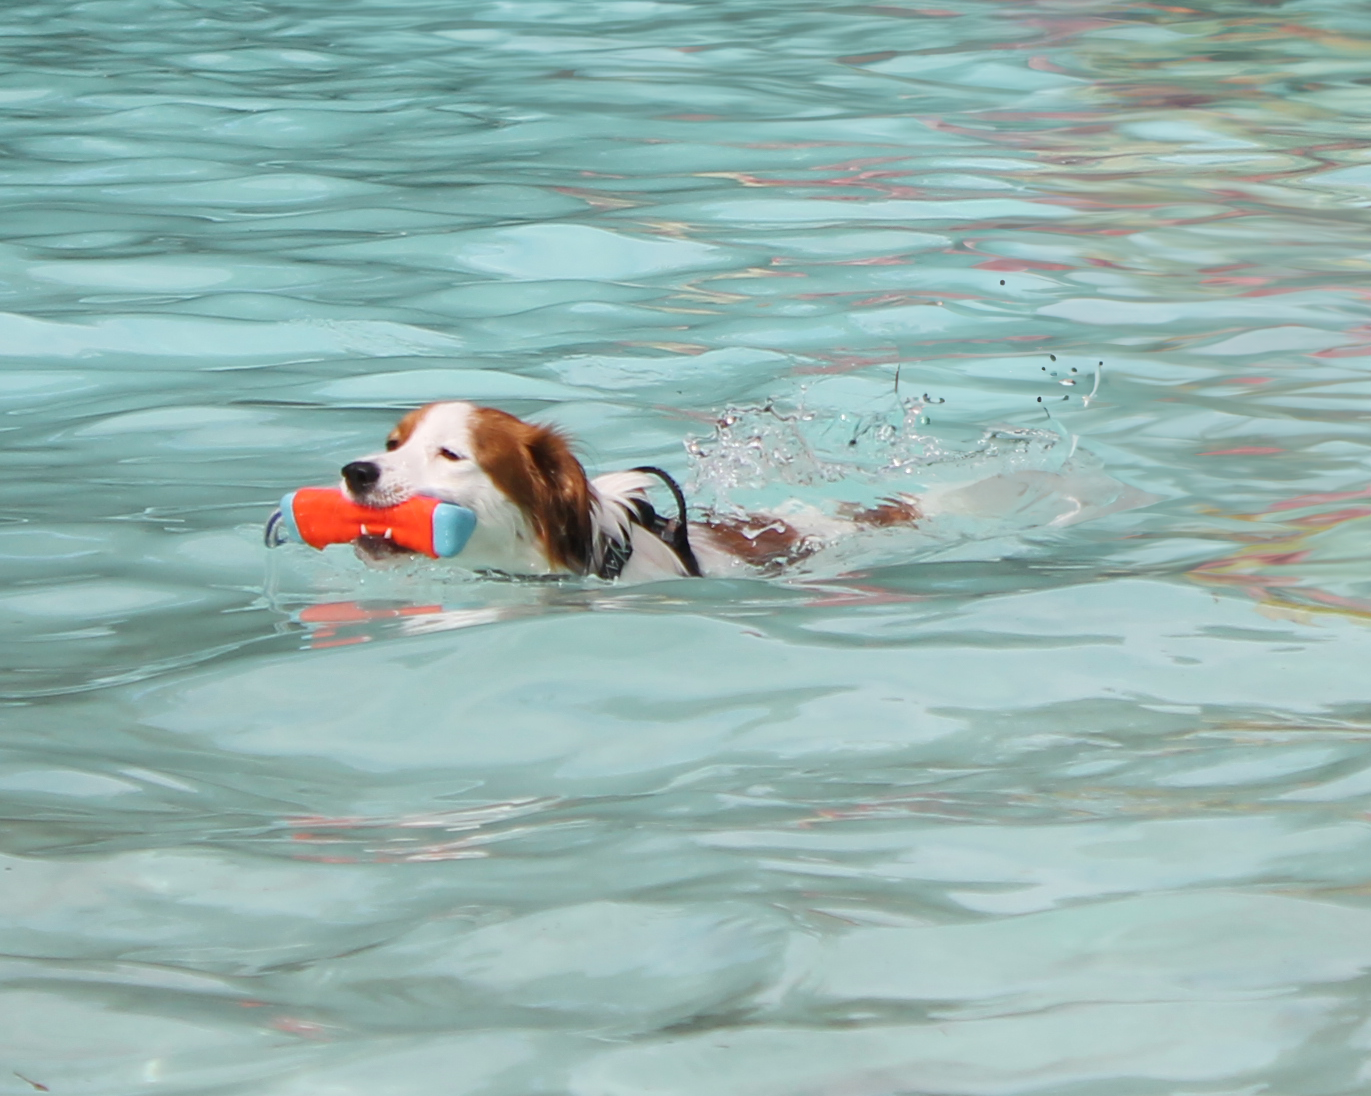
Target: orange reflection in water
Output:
[(1313, 560)]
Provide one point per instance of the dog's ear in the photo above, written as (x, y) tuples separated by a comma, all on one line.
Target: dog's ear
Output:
[(535, 468), (566, 526)]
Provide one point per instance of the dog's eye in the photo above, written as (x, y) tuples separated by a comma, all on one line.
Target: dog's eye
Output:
[(391, 444), (448, 454)]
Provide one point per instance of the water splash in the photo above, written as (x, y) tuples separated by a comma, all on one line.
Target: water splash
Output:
[(756, 450), (978, 486)]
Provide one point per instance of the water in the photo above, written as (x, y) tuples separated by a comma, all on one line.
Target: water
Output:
[(1064, 792)]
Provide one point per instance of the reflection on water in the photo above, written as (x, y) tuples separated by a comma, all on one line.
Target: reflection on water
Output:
[(1063, 791)]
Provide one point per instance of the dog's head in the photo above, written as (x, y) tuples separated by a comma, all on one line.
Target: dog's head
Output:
[(521, 480)]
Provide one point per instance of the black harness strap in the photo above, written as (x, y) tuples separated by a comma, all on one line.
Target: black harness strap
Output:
[(675, 533), (617, 555)]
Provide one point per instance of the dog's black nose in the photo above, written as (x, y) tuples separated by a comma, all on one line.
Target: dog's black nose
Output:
[(360, 475)]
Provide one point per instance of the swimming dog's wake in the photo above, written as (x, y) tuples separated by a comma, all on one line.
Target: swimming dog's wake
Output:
[(811, 469)]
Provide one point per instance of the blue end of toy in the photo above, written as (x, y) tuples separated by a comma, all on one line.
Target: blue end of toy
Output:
[(452, 528), (281, 525), (288, 517)]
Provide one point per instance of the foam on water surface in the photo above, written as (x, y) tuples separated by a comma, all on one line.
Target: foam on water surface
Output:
[(1061, 789)]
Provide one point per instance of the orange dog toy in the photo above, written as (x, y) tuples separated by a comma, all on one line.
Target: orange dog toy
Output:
[(320, 516)]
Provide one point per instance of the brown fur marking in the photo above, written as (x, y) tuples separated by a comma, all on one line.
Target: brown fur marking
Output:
[(535, 468), (772, 544), (406, 426), (893, 511)]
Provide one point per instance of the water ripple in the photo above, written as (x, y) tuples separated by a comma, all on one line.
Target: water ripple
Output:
[(1065, 791)]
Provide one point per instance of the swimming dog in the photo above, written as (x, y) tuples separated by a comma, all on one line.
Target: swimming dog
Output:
[(538, 513)]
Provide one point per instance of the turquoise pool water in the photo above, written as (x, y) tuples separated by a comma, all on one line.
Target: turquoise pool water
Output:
[(1065, 791)]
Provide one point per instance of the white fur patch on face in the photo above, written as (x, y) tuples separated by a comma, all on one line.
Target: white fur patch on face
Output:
[(430, 453)]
